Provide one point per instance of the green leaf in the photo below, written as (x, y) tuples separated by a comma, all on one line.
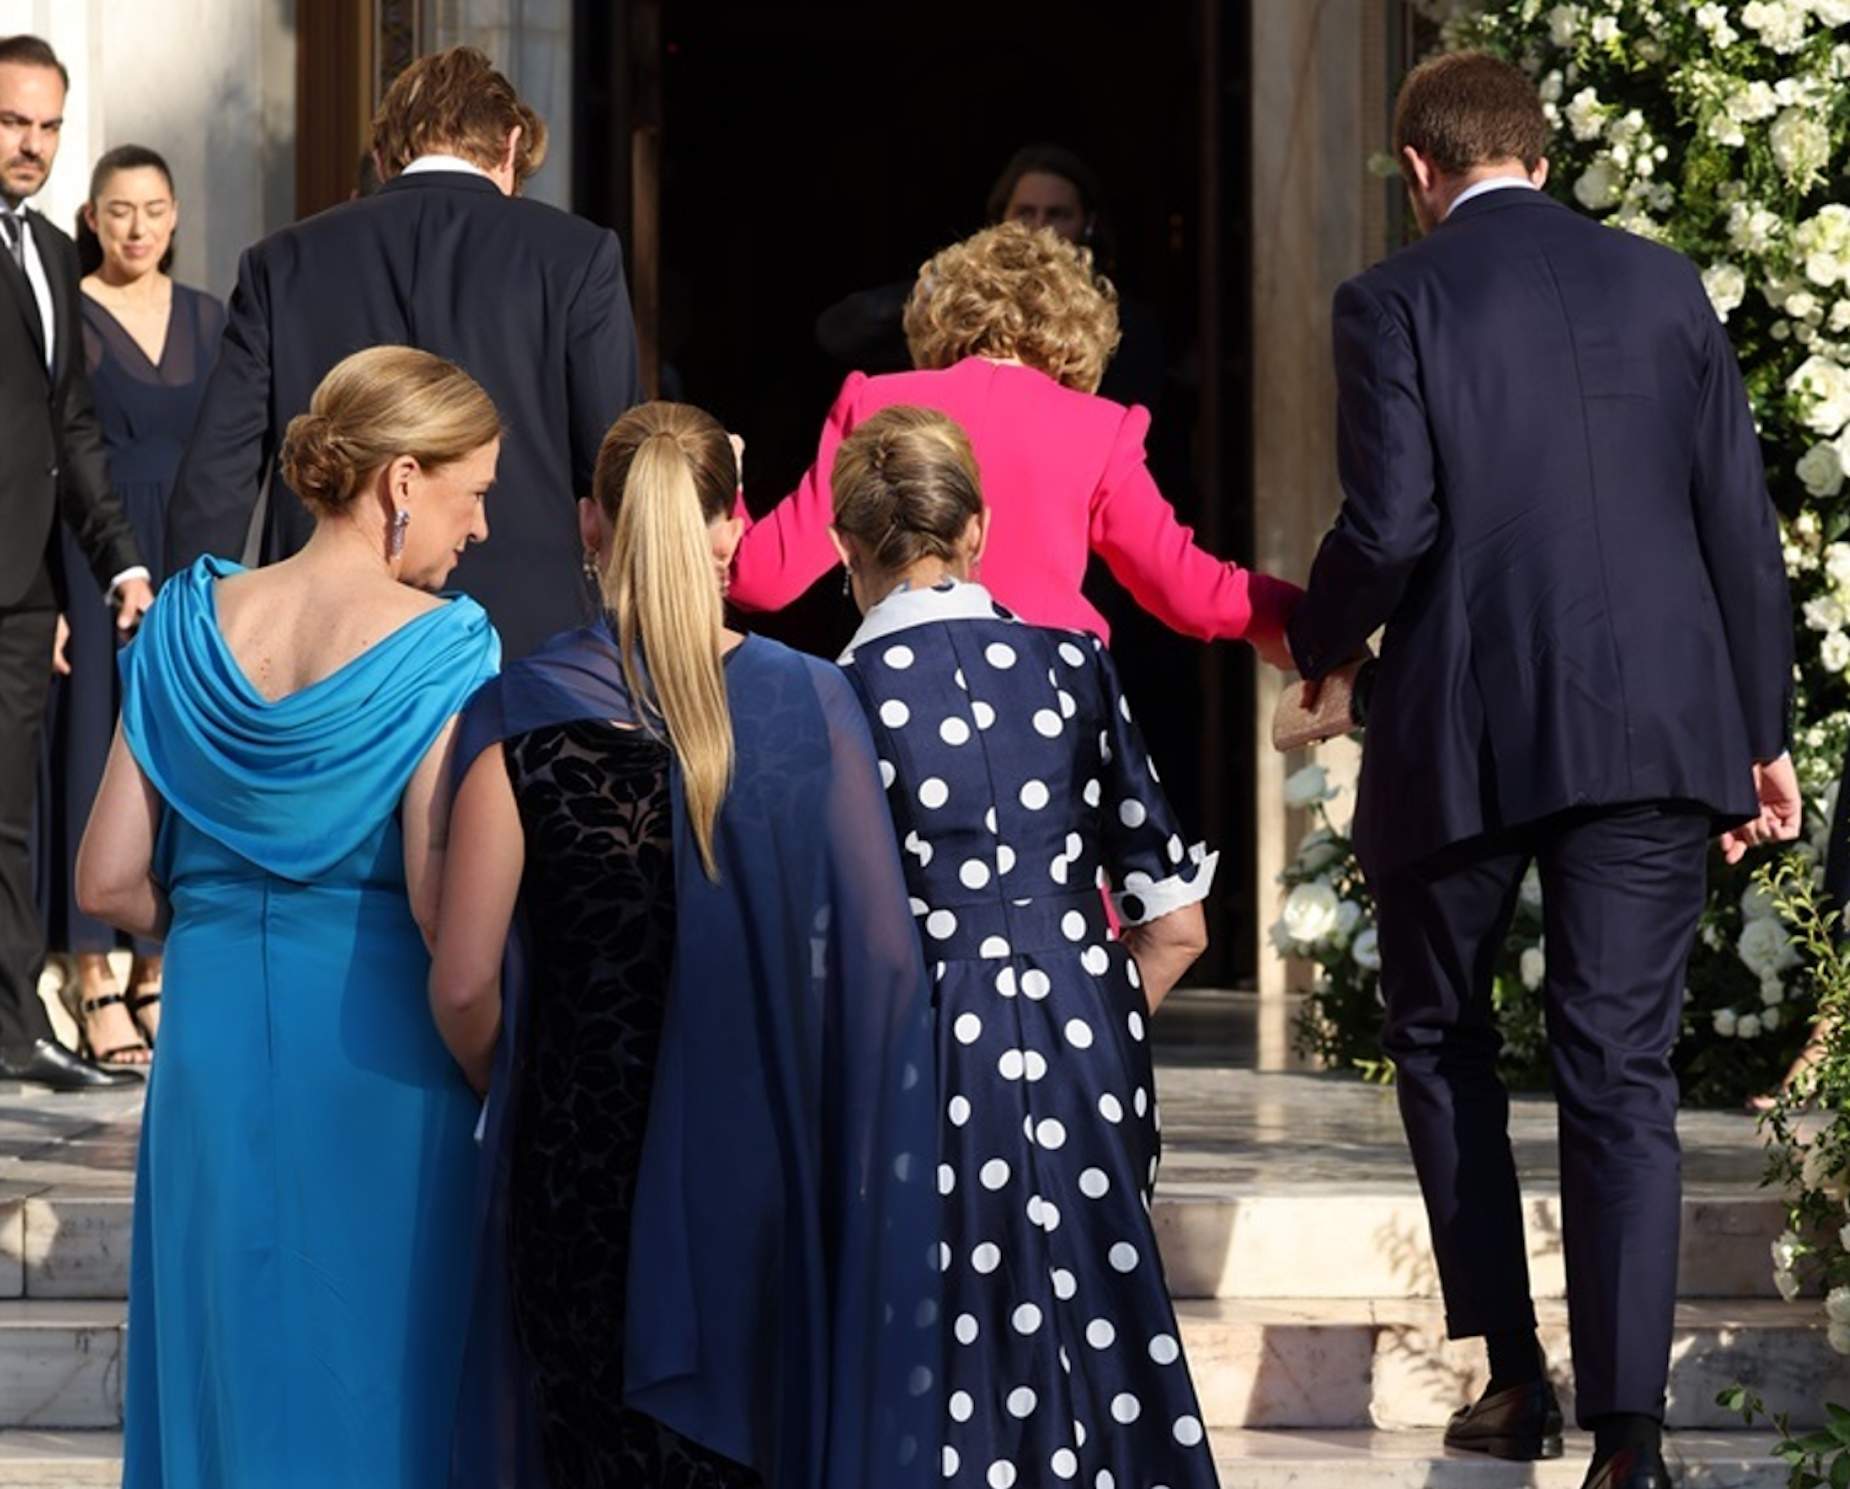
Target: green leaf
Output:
[(1840, 1472)]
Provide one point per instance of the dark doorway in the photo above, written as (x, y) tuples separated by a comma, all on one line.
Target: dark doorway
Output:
[(802, 152)]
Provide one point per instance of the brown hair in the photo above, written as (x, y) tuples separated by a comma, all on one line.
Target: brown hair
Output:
[(1468, 109), (906, 486), (1014, 291), (375, 406), (665, 472), (33, 51), (455, 102)]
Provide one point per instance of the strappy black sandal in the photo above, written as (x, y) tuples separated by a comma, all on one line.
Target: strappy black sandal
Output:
[(137, 1001), (119, 1054)]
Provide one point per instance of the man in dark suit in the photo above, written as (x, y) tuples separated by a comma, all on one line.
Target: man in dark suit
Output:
[(446, 257), (51, 461), (1553, 500)]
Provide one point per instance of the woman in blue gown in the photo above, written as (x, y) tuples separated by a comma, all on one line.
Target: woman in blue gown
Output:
[(1020, 788), (274, 806), (677, 956)]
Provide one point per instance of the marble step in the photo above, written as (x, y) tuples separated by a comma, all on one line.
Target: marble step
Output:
[(55, 1460), (1415, 1460), (1305, 1245), (1321, 1363), (60, 1365)]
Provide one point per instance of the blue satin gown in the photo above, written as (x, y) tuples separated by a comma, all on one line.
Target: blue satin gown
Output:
[(302, 1240)]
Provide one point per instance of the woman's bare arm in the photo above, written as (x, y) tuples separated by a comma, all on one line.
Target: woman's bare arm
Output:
[(424, 815), (115, 864), (1165, 948)]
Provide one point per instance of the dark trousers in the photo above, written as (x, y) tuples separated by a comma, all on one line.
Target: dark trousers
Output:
[(1623, 892), (26, 632)]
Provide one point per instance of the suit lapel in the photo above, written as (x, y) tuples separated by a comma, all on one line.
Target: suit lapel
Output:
[(57, 274), (20, 291)]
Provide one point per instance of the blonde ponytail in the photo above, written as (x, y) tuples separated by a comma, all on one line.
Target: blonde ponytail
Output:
[(661, 481)]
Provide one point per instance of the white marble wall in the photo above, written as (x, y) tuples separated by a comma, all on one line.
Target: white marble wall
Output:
[(208, 83)]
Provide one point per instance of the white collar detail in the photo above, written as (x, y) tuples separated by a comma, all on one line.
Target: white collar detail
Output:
[(425, 163), (906, 608), (1484, 188)]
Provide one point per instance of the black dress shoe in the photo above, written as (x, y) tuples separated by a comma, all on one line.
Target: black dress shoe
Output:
[(1522, 1423), (1627, 1469), (50, 1064)]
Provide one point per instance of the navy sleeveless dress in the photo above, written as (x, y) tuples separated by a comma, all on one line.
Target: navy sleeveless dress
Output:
[(146, 414)]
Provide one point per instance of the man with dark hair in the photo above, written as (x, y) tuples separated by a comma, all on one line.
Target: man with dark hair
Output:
[(51, 462), (1553, 500), (445, 256)]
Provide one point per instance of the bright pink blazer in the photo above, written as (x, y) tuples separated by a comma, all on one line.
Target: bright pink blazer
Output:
[(1064, 475)]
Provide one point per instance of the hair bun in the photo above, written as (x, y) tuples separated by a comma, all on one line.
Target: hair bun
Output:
[(316, 462)]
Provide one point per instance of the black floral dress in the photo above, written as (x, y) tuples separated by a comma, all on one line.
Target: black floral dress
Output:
[(599, 889)]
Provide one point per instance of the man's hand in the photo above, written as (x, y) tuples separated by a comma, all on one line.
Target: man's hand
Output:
[(1782, 810), (133, 597), (60, 663)]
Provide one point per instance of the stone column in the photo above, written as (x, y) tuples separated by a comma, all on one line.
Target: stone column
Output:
[(1319, 109)]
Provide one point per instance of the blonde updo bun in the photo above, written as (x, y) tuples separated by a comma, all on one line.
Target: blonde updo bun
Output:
[(905, 487), (374, 407)]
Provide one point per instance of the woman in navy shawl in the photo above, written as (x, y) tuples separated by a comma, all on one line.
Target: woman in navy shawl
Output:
[(709, 1250)]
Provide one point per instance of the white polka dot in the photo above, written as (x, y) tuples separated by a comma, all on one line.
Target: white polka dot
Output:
[(1137, 879), (1057, 870), (1079, 1034), (984, 715), (999, 656), (1131, 813), (1005, 982), (986, 1257), (1079, 1433), (1104, 1480), (1033, 1209), (968, 1028), (1136, 1023), (1093, 1184), (1001, 1474), (1047, 722), (1073, 926), (1022, 1402), (1064, 1284), (995, 1174), (1100, 1334), (951, 1461), (1140, 1102), (959, 1110), (1130, 971), (1072, 655), (899, 658), (1067, 706), (1175, 849), (1110, 1108), (1126, 1408), (894, 714), (954, 732), (989, 819), (940, 925), (1093, 794), (1123, 1257), (1064, 1463), (1036, 984), (1188, 1431), (1124, 708), (1164, 1350), (947, 1178), (1011, 1064), (1026, 1319), (888, 775), (917, 845), (933, 793), (962, 1407), (1037, 1065), (1104, 745), (958, 678), (1005, 859), (944, 1256), (974, 873), (992, 948), (919, 907), (1049, 1132), (1050, 1216), (967, 1328), (1097, 961), (1034, 796)]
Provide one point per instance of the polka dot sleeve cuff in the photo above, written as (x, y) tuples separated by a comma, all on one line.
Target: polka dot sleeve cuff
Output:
[(1143, 899)]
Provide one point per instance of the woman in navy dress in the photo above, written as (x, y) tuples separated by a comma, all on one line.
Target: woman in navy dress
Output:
[(1020, 788), (149, 345)]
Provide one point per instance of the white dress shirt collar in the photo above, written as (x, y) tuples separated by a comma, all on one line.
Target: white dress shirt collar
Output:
[(35, 276), (906, 608), (439, 162), (1486, 186)]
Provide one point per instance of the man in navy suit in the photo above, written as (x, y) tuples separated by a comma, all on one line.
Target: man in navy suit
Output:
[(1554, 503), (445, 256)]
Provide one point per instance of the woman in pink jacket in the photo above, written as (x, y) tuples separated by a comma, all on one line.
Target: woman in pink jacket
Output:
[(1011, 330)]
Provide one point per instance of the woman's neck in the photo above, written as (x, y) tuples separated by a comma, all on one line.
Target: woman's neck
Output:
[(927, 573), (150, 285)]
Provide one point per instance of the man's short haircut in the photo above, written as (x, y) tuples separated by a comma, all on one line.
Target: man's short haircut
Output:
[(33, 51), (1470, 109), (455, 102)]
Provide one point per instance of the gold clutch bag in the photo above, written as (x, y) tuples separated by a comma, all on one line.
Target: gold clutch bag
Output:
[(1309, 713)]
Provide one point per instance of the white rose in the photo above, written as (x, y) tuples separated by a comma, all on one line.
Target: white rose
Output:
[(1843, 1238), (1769, 1017), (1786, 1251), (1725, 1022), (1837, 1305), (1801, 146), (1311, 913), (1598, 186), (1550, 87), (1586, 115), (1564, 24), (1787, 1284), (1834, 652), (1800, 304), (1308, 786), (1840, 316), (1765, 949), (1820, 1172), (1752, 229), (1781, 23), (1365, 951), (1772, 994), (1727, 287), (1318, 851), (1748, 1026), (1837, 564), (1826, 613), (1823, 385), (1348, 917), (1606, 29), (1821, 468), (1838, 1336), (1534, 967), (1753, 103), (1757, 904), (1832, 12)]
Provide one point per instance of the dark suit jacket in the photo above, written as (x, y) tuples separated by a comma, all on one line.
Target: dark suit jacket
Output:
[(51, 449), (529, 300), (1553, 499)]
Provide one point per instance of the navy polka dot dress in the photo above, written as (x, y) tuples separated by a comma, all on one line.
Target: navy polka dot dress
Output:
[(1020, 787)]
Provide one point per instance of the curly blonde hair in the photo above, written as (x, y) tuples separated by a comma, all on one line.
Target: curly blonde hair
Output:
[(1013, 291)]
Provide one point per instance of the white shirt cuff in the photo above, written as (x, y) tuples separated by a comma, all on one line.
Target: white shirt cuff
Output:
[(139, 571), (1143, 899)]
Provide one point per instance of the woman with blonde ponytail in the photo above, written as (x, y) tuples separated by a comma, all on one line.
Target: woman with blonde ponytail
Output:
[(678, 959)]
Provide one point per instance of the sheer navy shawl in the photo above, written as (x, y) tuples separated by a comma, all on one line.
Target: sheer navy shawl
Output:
[(783, 1286)]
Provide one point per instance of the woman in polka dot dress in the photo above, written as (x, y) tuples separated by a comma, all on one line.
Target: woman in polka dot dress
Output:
[(1020, 786)]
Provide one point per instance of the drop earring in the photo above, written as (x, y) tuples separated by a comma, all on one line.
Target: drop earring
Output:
[(400, 522), (847, 582), (587, 565)]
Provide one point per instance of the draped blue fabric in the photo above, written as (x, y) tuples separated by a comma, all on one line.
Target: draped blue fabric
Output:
[(783, 1288), (303, 1194)]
